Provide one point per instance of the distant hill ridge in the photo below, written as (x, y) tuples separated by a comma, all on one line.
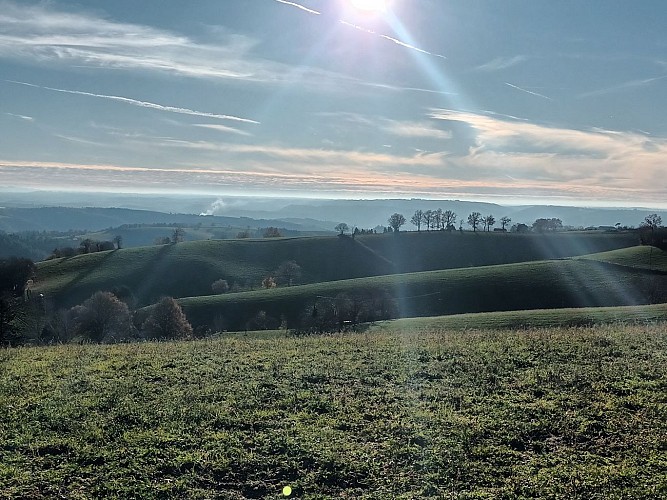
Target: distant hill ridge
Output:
[(14, 219)]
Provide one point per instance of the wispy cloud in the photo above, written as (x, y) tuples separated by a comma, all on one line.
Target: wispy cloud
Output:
[(43, 35), (22, 117), (222, 128), (310, 157), (299, 6), (602, 160), (632, 84), (414, 129), (521, 89), (141, 104), (500, 63)]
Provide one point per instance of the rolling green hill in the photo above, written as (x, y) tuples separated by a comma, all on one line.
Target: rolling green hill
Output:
[(539, 318), (188, 269), (641, 257), (534, 285), (427, 251)]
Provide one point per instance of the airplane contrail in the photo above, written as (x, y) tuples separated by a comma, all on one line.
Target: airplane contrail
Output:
[(407, 45), (392, 39), (142, 104), (366, 30), (529, 91), (299, 6)]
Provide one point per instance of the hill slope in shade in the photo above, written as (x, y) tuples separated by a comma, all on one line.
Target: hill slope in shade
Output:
[(534, 285), (188, 269)]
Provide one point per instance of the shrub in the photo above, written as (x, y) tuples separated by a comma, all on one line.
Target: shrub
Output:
[(220, 286), (167, 321), (101, 318)]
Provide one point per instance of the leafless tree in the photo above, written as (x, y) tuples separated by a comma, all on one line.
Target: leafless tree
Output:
[(417, 219), (474, 219), (504, 222)]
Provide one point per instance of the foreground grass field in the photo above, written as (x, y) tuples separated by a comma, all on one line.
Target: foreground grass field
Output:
[(400, 411)]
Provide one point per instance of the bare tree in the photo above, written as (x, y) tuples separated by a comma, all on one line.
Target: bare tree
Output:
[(437, 219), (417, 219), (167, 321), (342, 228), (653, 221), (448, 220), (178, 235), (428, 219), (488, 221), (474, 219), (396, 221), (118, 241), (288, 273), (504, 221)]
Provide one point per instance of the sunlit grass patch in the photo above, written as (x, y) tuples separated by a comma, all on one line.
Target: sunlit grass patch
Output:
[(428, 411)]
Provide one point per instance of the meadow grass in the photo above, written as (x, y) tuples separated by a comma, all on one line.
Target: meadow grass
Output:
[(394, 412)]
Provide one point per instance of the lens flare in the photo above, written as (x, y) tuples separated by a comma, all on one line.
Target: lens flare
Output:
[(369, 5)]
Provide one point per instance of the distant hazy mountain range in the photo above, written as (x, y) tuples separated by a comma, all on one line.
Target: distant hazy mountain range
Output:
[(34, 211)]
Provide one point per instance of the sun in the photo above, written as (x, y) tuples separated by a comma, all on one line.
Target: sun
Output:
[(370, 5)]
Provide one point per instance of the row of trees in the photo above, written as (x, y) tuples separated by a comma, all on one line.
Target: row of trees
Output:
[(105, 318), (88, 245)]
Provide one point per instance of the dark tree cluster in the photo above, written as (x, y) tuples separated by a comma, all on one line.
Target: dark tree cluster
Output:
[(15, 275), (547, 225), (106, 318), (87, 245), (346, 311), (434, 220)]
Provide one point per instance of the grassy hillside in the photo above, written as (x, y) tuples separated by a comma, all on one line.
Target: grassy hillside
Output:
[(532, 285), (427, 251), (145, 235), (188, 269), (424, 413), (641, 257), (539, 318)]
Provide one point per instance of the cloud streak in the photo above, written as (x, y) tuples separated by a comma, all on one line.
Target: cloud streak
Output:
[(22, 117), (299, 6), (501, 63), (141, 104), (521, 89), (624, 86)]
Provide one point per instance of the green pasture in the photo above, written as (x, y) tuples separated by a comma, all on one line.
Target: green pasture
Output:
[(419, 412), (188, 269), (533, 285)]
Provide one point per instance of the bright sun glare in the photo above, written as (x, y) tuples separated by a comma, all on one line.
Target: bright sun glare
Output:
[(369, 5)]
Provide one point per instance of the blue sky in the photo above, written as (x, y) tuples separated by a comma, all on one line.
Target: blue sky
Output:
[(526, 101)]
